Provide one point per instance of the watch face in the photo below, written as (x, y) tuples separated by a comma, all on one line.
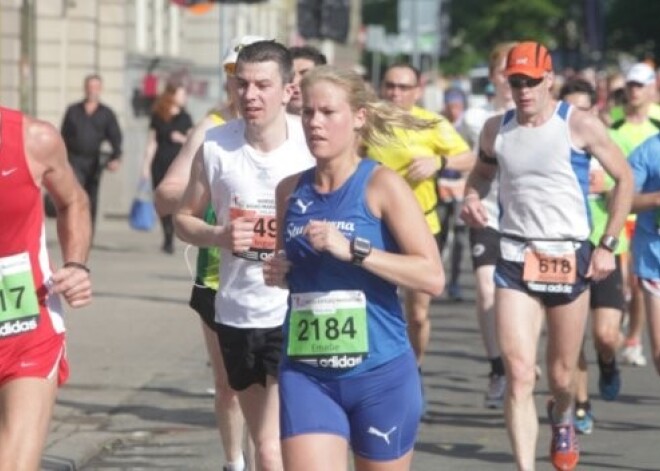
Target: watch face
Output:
[(362, 245), (609, 242)]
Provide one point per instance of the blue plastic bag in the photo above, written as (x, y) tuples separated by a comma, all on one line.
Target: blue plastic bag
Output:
[(143, 213)]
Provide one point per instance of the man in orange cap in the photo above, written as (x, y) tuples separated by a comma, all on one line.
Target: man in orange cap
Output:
[(541, 151)]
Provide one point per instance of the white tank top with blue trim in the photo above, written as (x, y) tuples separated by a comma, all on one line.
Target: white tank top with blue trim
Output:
[(543, 178)]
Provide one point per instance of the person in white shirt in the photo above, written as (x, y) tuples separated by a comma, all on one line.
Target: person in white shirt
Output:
[(237, 169)]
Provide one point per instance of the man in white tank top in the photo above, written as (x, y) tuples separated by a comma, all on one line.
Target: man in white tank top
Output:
[(237, 170), (540, 152)]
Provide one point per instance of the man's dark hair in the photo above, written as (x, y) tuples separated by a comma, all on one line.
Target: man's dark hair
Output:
[(267, 51), (577, 85), (309, 53), (404, 65)]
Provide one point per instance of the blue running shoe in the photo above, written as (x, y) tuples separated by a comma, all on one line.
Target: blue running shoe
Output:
[(609, 380), (583, 421)]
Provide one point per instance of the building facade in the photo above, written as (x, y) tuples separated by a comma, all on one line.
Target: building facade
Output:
[(48, 47)]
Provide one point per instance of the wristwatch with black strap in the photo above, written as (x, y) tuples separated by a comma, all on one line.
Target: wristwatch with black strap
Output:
[(360, 249), (609, 243)]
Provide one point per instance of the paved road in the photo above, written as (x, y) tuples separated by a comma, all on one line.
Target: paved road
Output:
[(137, 395)]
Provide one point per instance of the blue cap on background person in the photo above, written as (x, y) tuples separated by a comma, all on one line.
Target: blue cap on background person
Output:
[(455, 95)]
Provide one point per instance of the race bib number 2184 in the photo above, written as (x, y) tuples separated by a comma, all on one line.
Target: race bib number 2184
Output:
[(326, 324)]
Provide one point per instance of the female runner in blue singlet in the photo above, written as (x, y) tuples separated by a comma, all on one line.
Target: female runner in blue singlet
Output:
[(352, 232)]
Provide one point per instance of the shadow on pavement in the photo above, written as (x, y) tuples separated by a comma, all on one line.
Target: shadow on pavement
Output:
[(484, 421), (199, 416), (55, 463), (463, 450), (139, 297)]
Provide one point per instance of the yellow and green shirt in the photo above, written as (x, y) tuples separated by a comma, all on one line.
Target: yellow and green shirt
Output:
[(208, 258)]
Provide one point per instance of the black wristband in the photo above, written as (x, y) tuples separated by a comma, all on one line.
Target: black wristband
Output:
[(81, 266), (487, 159)]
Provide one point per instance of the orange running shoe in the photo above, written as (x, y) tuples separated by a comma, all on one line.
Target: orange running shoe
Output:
[(564, 450)]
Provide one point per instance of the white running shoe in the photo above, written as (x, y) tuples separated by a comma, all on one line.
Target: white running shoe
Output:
[(633, 355), (496, 390)]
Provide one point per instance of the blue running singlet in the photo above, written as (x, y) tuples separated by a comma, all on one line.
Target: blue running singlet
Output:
[(341, 320)]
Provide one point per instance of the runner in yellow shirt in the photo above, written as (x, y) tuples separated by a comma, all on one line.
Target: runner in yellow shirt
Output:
[(418, 158)]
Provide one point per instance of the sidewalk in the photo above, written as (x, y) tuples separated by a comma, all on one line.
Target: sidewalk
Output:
[(137, 395)]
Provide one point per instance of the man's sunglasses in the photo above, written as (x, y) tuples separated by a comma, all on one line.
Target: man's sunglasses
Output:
[(404, 87), (525, 82)]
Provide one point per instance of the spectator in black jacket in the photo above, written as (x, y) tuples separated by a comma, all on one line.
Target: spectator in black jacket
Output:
[(86, 125)]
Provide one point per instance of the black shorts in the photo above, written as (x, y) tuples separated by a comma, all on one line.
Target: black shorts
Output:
[(202, 300), (608, 293), (509, 274), (250, 354), (484, 247)]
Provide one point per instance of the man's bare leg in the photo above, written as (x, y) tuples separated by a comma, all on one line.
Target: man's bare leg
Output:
[(566, 325), (227, 409), (260, 406), (519, 318), (419, 324), (26, 406)]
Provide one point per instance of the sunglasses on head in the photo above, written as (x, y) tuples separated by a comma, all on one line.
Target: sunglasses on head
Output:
[(525, 82)]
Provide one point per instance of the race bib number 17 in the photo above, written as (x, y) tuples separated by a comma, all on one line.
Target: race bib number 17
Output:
[(19, 306)]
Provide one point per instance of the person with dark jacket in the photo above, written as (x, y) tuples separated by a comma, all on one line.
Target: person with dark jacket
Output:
[(86, 125)]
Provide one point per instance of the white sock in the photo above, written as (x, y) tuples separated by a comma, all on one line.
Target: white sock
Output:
[(238, 465)]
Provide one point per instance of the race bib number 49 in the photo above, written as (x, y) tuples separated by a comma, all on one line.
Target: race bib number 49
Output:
[(265, 233), (19, 306), (331, 325)]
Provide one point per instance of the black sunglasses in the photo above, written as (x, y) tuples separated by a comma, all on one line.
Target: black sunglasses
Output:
[(404, 87), (527, 82)]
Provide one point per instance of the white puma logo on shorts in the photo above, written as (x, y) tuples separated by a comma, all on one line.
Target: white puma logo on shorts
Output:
[(384, 435)]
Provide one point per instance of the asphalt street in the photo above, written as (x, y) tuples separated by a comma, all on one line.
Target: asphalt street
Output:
[(137, 397)]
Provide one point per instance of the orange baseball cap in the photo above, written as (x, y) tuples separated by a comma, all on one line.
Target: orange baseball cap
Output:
[(528, 58)]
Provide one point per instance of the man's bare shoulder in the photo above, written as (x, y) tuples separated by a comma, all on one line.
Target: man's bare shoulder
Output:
[(581, 121), (42, 140), (492, 126), (585, 127)]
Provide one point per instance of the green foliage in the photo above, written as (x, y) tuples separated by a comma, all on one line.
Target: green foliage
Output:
[(477, 25), (632, 26), (380, 12)]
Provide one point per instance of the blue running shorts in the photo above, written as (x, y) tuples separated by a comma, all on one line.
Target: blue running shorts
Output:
[(378, 411)]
